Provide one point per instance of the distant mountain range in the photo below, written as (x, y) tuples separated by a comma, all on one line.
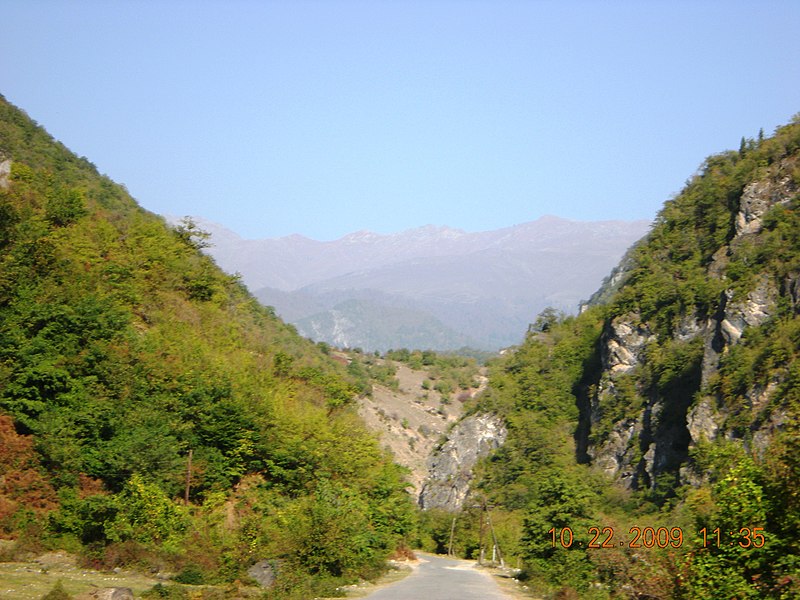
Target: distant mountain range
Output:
[(429, 287)]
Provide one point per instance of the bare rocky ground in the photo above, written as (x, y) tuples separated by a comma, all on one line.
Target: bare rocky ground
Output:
[(411, 421)]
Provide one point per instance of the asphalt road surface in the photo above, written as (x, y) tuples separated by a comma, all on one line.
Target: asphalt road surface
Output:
[(438, 578)]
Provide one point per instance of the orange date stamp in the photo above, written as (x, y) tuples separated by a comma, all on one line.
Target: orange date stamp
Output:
[(654, 537)]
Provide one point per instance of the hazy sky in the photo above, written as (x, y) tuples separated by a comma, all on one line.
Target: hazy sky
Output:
[(327, 117)]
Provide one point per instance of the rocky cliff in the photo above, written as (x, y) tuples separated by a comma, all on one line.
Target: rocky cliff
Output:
[(451, 466), (667, 345), (692, 341)]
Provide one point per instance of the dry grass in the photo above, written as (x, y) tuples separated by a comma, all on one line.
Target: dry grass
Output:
[(31, 581)]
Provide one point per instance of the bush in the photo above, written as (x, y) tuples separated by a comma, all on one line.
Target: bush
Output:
[(191, 574), (57, 593), (170, 592)]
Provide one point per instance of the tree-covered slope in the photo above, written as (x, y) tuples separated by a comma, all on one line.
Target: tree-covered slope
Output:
[(124, 351), (670, 407)]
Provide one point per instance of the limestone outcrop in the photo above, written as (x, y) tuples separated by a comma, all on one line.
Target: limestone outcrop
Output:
[(644, 443), (451, 467)]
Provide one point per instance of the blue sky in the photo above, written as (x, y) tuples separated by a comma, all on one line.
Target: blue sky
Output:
[(326, 117)]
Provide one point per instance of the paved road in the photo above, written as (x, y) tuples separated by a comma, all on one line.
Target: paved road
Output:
[(438, 578)]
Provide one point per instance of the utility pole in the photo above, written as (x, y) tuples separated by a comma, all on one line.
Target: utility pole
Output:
[(481, 556), (452, 533), (495, 547), (486, 519)]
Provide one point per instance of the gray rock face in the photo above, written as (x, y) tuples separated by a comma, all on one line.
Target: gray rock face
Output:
[(792, 287), (623, 347), (615, 456), (764, 434), (5, 172), (624, 344), (757, 199), (689, 327), (703, 421), (751, 311), (639, 447), (450, 468)]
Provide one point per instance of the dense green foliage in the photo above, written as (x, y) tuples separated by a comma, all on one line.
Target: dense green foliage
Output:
[(734, 499), (123, 351)]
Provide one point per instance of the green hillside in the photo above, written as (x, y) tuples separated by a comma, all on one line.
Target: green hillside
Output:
[(661, 426), (124, 351)]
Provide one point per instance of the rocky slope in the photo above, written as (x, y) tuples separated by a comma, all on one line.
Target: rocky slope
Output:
[(450, 467), (692, 340), (671, 402), (411, 420), (657, 438)]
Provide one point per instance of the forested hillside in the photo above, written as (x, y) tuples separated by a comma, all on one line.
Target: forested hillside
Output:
[(135, 375), (653, 446)]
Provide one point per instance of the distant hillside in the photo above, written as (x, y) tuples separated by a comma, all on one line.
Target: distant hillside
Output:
[(153, 413), (484, 287)]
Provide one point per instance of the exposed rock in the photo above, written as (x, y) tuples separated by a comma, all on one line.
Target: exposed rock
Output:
[(689, 327), (650, 461), (450, 468), (758, 396), (726, 327), (792, 286), (615, 455), (754, 203), (757, 198), (766, 433), (702, 421), (5, 172), (624, 343), (719, 262), (111, 593), (713, 345), (640, 448), (752, 311)]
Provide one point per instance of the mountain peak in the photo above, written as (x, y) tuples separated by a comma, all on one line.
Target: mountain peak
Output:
[(486, 286), (362, 235)]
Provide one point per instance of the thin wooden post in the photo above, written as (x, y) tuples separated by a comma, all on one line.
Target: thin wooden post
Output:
[(481, 556), (496, 545), (452, 533)]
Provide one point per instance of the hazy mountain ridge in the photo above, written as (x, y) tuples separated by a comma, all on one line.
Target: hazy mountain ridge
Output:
[(485, 286)]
